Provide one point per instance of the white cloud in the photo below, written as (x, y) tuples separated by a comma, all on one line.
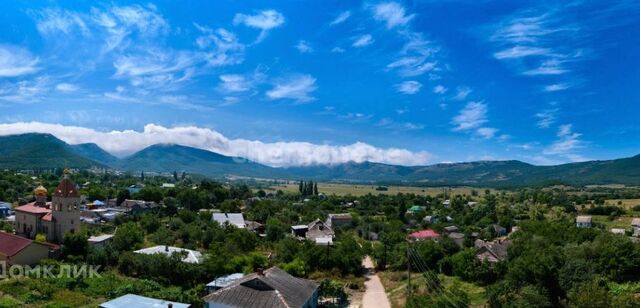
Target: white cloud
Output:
[(548, 67), (546, 118), (220, 47), (341, 18), (391, 13), (15, 61), (363, 40), (156, 69), (66, 87), (556, 87), (297, 87), (486, 132), (473, 115), (409, 87), (234, 83), (274, 154), (439, 89), (337, 50), (567, 142), (416, 56), (26, 91), (462, 93), (521, 52), (303, 47), (112, 26), (263, 20)]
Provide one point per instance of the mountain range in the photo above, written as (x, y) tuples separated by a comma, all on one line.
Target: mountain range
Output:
[(42, 151)]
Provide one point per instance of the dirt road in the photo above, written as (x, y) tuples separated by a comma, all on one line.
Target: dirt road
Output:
[(374, 296)]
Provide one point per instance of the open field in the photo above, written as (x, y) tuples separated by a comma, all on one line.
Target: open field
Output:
[(623, 222), (360, 190), (626, 203)]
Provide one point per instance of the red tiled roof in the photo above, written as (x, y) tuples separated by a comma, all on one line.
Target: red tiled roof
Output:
[(47, 217), (33, 209), (66, 189), (422, 234), (12, 244)]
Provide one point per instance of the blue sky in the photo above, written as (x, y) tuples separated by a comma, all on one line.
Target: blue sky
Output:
[(305, 82)]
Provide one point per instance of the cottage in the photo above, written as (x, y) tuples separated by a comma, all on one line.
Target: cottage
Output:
[(254, 226), (132, 300), (429, 219), (499, 230), (320, 233), (188, 255), (339, 220), (583, 221), (446, 203), (235, 219), (137, 207), (271, 288), (102, 240), (18, 250), (427, 234), (168, 185), (457, 238), (416, 209), (492, 252), (299, 230), (451, 229)]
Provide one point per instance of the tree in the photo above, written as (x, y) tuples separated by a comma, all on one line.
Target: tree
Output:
[(142, 176), (128, 237), (175, 175), (75, 244), (123, 195), (315, 189)]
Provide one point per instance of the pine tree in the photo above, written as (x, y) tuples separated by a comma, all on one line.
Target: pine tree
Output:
[(175, 175), (301, 188), (142, 176), (315, 188), (309, 188)]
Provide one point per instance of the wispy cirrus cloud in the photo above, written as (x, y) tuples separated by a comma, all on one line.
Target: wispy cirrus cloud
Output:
[(440, 89), (566, 144), (546, 117), (16, 61), (556, 87), (393, 14), (296, 87), (473, 115), (409, 87), (461, 93), (265, 20), (284, 154), (362, 40), (342, 17), (66, 87), (304, 47)]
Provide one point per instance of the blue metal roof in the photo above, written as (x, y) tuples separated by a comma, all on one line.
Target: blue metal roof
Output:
[(132, 300)]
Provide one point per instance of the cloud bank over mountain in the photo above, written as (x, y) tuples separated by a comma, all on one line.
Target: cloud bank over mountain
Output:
[(125, 142)]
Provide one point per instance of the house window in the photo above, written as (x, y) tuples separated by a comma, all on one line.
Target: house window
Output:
[(72, 221)]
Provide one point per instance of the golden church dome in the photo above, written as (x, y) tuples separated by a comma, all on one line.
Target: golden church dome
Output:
[(40, 191)]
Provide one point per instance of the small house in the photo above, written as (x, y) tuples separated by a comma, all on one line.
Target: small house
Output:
[(270, 288), (583, 221), (320, 233), (451, 229), (416, 209), (493, 252), (619, 231), (100, 240), (427, 234), (457, 238), (430, 219), (499, 230), (188, 255), (18, 250), (339, 220), (236, 219)]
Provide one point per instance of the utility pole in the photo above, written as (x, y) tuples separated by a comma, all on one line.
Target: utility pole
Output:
[(408, 270)]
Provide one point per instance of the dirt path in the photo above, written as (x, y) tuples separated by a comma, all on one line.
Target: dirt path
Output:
[(374, 296)]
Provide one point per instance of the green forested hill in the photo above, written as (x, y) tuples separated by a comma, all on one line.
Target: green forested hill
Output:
[(39, 151)]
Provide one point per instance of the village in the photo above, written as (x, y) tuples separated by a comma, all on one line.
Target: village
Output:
[(233, 250)]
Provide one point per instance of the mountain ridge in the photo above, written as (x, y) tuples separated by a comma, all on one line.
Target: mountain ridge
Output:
[(25, 151)]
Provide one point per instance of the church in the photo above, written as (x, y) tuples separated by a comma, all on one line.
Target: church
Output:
[(53, 219)]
